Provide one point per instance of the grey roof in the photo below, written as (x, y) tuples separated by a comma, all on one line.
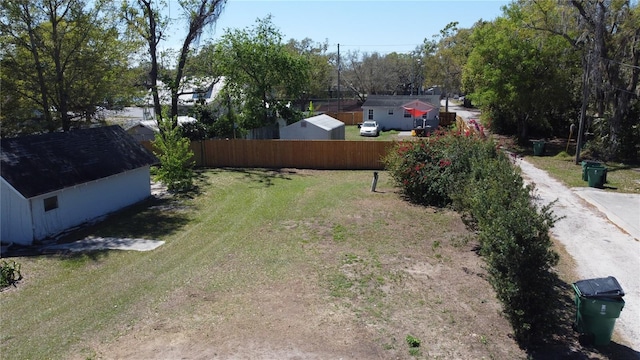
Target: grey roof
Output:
[(394, 100), (324, 122), (38, 164)]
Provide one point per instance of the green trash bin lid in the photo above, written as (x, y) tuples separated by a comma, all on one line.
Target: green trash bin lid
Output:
[(600, 288)]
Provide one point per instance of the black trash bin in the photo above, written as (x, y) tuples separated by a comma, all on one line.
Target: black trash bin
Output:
[(598, 305)]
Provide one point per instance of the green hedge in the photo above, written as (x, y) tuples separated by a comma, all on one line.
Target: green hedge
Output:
[(469, 173)]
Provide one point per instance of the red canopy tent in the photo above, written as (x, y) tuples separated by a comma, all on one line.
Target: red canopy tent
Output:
[(418, 108), (415, 112)]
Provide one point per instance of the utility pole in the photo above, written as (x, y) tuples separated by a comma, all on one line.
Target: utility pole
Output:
[(338, 80), (583, 109)]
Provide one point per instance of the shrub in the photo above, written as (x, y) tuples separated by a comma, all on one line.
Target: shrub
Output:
[(9, 273), (515, 244), (469, 173), (176, 158), (429, 170)]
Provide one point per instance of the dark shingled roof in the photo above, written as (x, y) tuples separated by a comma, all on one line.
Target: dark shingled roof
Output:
[(394, 100), (38, 164)]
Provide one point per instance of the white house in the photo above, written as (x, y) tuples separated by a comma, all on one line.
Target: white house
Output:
[(319, 127), (402, 112), (192, 91), (145, 130), (52, 182)]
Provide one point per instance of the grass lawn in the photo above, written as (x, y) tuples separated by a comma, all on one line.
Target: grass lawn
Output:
[(306, 262), (267, 264)]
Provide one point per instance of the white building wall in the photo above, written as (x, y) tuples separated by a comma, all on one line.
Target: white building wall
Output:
[(337, 133), (88, 201), (396, 121), (16, 226), (296, 131)]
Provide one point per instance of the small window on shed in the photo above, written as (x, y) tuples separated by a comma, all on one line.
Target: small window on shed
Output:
[(390, 111), (50, 203)]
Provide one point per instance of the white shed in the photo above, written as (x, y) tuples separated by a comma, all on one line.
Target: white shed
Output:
[(319, 127), (53, 182), (402, 112), (145, 130)]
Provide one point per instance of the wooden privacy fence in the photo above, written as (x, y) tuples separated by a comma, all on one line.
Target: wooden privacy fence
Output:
[(301, 154), (348, 118), (447, 118)]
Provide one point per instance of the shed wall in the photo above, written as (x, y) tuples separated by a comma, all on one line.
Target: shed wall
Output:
[(16, 225), (296, 131), (89, 201)]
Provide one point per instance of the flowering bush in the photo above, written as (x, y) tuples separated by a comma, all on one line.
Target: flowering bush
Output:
[(471, 173), (429, 169)]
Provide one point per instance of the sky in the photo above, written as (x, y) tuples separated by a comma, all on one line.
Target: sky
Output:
[(382, 26)]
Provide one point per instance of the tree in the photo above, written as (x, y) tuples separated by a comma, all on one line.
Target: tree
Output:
[(321, 72), (607, 35), (175, 155), (261, 73), (61, 61), (374, 73), (445, 57), (521, 79), (144, 20)]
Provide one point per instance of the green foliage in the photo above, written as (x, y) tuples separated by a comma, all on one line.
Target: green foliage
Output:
[(176, 158), (468, 172), (9, 273), (412, 341), (59, 67), (523, 77), (515, 244), (260, 73), (311, 110), (428, 170)]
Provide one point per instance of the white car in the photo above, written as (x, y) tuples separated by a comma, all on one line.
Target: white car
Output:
[(369, 128)]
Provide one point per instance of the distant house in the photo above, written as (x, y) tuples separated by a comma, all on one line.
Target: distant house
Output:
[(145, 130), (402, 112), (319, 127), (53, 182), (192, 91)]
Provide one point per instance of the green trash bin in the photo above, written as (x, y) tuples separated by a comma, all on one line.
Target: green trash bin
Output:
[(587, 164), (538, 148), (596, 176), (598, 304)]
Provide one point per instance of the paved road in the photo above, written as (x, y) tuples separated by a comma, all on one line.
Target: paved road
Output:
[(600, 229)]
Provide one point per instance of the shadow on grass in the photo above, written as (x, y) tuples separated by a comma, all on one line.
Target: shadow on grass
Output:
[(259, 176), (73, 260), (563, 342), (151, 219)]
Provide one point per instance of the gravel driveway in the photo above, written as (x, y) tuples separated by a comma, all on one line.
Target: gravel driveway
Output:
[(598, 246)]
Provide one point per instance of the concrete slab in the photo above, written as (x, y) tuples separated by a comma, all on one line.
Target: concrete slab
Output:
[(621, 209), (110, 243)]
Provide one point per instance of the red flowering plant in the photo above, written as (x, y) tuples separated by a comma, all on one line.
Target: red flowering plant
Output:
[(428, 169)]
